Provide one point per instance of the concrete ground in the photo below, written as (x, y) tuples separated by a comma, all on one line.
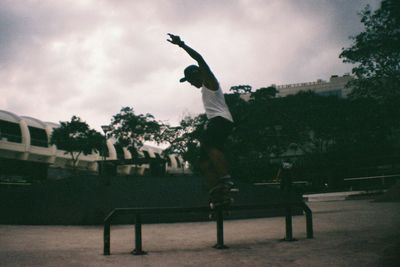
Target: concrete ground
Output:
[(347, 233)]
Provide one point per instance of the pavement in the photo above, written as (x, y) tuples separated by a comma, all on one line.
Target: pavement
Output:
[(346, 233), (335, 196)]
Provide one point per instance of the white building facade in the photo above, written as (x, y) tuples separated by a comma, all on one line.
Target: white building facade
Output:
[(27, 140), (335, 86)]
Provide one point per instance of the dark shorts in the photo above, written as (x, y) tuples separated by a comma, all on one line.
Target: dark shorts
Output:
[(215, 134)]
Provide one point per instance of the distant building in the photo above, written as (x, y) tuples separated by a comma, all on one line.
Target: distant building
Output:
[(335, 86), (25, 151)]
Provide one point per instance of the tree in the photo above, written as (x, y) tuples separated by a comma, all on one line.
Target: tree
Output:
[(331, 137), (241, 89), (264, 93), (376, 53), (131, 130), (184, 139), (76, 138), (237, 105)]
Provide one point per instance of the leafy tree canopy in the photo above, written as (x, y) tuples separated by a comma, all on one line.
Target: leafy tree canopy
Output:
[(376, 53), (184, 139), (75, 137), (264, 93), (131, 130), (330, 134), (240, 89)]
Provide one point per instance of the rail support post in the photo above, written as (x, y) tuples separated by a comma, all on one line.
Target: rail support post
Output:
[(106, 248), (138, 236), (286, 174), (288, 223), (220, 229), (309, 221)]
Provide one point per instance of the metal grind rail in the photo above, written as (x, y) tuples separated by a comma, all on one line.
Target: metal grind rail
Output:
[(219, 216)]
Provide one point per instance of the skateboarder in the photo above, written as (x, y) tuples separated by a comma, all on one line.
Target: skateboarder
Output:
[(219, 125)]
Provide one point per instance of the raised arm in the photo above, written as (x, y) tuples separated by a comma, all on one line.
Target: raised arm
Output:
[(208, 77)]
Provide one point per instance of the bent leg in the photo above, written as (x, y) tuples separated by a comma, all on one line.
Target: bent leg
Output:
[(209, 172), (220, 185), (219, 162)]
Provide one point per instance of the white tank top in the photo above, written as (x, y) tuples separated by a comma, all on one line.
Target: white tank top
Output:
[(214, 104)]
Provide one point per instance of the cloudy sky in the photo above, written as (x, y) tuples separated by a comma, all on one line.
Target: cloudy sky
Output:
[(91, 57)]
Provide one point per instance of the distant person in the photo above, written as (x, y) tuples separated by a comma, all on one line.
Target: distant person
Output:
[(213, 163)]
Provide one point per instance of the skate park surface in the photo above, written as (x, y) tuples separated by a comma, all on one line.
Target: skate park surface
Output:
[(346, 233)]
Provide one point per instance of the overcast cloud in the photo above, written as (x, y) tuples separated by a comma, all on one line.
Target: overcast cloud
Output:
[(90, 58)]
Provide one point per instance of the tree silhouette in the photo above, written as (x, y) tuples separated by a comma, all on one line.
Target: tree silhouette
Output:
[(264, 93), (131, 130), (76, 138), (240, 89), (184, 139), (376, 53)]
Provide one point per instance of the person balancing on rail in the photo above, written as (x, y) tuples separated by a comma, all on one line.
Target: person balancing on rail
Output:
[(218, 127)]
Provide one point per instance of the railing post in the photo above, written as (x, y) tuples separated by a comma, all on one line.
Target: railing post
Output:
[(138, 236), (285, 173), (219, 215), (106, 249), (309, 221), (220, 229), (288, 223)]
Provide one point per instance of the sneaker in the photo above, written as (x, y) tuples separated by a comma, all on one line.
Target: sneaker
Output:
[(222, 202), (220, 195)]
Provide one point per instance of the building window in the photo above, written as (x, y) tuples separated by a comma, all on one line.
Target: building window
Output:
[(120, 151), (178, 162), (169, 163), (10, 132), (38, 137)]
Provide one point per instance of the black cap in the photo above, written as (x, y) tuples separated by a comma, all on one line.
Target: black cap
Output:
[(189, 70)]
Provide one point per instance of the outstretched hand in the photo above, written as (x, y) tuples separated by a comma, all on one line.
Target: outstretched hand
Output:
[(175, 39)]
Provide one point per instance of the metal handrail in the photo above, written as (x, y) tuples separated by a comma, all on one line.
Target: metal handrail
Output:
[(288, 205)]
